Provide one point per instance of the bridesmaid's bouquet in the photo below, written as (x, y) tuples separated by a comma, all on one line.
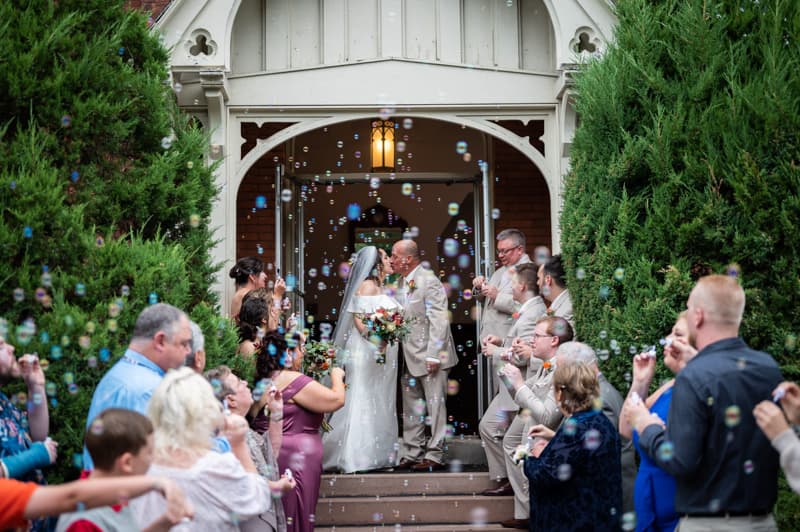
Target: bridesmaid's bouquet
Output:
[(385, 327), (319, 359)]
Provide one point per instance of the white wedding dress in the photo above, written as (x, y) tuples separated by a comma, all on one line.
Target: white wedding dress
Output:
[(364, 431)]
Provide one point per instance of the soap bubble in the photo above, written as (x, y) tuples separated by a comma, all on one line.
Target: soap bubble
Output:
[(286, 195), (66, 121), (453, 208), (495, 214), (152, 298), (450, 247), (166, 143), (261, 202), (400, 146), (408, 123), (619, 274), (564, 472), (407, 189), (461, 147), (733, 416), (666, 451), (353, 211), (592, 439)]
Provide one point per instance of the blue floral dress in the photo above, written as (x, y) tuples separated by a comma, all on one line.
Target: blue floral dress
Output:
[(14, 439)]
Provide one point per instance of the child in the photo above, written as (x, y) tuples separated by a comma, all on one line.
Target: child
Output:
[(120, 443)]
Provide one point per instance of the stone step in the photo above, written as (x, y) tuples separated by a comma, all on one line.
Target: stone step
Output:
[(488, 527), (436, 509), (405, 483)]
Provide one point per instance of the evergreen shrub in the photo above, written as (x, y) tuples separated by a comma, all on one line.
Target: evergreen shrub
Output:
[(686, 163), (105, 203)]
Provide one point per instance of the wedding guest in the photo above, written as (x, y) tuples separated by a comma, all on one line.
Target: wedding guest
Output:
[(235, 393), (710, 407), (253, 322), (24, 445), (224, 488), (23, 501), (654, 491), (574, 478), (248, 274), (121, 444), (304, 403), (162, 338), (772, 421), (496, 320), (196, 359)]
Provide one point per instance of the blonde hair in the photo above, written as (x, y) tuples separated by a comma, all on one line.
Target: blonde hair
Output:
[(184, 411), (577, 381), (722, 299)]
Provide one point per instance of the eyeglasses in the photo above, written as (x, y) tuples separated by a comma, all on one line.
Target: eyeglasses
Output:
[(501, 251)]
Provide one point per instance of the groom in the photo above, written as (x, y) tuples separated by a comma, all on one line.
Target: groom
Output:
[(428, 353)]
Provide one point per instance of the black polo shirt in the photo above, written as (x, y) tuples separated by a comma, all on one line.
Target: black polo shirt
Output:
[(720, 459)]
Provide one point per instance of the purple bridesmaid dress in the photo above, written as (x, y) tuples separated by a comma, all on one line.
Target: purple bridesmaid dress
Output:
[(301, 451)]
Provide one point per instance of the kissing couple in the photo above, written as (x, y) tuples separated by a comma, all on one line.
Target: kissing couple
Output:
[(364, 432)]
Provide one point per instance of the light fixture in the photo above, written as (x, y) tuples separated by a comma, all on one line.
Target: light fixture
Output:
[(382, 140)]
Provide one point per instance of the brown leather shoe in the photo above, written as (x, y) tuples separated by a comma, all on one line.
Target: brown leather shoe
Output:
[(427, 465), (503, 489), (405, 464), (515, 523)]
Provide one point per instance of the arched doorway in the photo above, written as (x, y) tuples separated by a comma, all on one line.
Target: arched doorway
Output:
[(327, 202)]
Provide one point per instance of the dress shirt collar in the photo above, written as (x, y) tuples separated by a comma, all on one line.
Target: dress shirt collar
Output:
[(559, 300), (410, 276), (528, 304), (138, 359)]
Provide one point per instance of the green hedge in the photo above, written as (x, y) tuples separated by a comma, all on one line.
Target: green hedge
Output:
[(685, 163), (106, 198)]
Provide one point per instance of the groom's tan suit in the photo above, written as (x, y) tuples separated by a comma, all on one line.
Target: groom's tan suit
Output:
[(425, 302)]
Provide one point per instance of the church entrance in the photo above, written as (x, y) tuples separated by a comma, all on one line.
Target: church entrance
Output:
[(308, 204)]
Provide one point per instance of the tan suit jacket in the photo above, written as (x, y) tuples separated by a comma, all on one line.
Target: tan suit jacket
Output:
[(430, 336), (496, 313), (562, 307), (525, 324)]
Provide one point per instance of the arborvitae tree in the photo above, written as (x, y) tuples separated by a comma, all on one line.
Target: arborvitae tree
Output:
[(106, 198), (686, 163)]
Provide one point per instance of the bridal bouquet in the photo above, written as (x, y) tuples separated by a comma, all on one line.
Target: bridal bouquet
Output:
[(385, 327), (319, 359)]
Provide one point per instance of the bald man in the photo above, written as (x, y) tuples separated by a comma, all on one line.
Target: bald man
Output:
[(725, 468), (429, 354)]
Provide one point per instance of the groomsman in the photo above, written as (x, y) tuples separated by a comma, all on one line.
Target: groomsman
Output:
[(429, 353), (553, 288), (502, 410)]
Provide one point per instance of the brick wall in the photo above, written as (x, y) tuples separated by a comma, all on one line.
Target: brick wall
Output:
[(154, 7), (521, 195)]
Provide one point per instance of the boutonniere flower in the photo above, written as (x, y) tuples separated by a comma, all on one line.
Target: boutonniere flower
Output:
[(411, 286), (515, 315), (547, 365), (550, 311)]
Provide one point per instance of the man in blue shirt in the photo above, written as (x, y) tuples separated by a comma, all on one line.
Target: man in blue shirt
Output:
[(725, 468), (161, 341)]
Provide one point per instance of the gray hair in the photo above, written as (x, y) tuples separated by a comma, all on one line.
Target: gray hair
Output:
[(198, 343), (576, 352), (159, 317), (517, 236)]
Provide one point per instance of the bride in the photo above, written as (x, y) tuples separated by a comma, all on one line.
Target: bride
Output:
[(364, 431)]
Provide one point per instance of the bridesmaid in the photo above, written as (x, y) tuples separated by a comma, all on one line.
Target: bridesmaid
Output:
[(304, 403)]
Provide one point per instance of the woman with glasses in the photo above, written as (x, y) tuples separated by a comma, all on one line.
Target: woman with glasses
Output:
[(654, 491)]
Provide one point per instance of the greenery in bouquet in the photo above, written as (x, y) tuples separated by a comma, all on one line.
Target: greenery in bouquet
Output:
[(319, 359), (384, 327)]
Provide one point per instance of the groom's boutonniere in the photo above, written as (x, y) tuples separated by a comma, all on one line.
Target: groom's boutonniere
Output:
[(548, 366), (411, 286), (550, 311)]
